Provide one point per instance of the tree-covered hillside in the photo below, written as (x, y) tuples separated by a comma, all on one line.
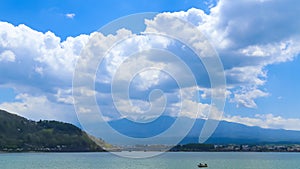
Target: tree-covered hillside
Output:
[(20, 134)]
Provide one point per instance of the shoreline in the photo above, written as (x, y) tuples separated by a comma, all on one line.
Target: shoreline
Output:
[(25, 152)]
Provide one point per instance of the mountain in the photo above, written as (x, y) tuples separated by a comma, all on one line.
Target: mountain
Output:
[(20, 134), (235, 133), (226, 132)]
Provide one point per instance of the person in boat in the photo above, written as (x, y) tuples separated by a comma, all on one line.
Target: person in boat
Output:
[(202, 165)]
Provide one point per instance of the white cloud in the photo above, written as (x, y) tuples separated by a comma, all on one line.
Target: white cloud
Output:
[(131, 50), (70, 15), (246, 97), (40, 107), (7, 56), (206, 93), (38, 53), (64, 96), (84, 110), (248, 36), (42, 65), (266, 121), (246, 75), (245, 33), (189, 109), (277, 52), (39, 70)]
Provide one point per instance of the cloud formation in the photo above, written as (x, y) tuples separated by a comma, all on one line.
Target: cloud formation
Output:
[(7, 56), (39, 108), (39, 67), (267, 121), (248, 35)]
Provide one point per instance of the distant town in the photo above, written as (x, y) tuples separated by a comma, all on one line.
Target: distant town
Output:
[(216, 148), (258, 148), (178, 148)]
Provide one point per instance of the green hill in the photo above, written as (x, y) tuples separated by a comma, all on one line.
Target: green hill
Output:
[(20, 134)]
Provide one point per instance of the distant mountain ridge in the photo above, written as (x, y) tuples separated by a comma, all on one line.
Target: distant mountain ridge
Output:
[(20, 134), (226, 132)]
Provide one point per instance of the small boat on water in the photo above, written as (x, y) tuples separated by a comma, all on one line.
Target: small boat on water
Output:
[(200, 165)]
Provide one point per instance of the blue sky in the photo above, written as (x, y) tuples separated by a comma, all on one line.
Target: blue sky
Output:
[(90, 15), (257, 41)]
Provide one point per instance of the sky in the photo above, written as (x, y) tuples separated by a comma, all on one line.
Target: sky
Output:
[(257, 41)]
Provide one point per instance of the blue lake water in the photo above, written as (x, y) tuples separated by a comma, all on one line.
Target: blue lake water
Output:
[(172, 160)]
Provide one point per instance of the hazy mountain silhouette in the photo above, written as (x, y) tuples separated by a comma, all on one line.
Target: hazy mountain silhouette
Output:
[(225, 133)]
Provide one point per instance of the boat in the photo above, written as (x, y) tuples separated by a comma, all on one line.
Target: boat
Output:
[(202, 165)]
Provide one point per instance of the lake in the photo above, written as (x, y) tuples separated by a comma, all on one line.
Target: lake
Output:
[(171, 160)]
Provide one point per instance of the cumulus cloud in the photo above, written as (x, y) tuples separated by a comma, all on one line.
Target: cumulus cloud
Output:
[(246, 97), (39, 67), (64, 96), (33, 53), (45, 48), (248, 36), (7, 56), (40, 107), (266, 121)]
